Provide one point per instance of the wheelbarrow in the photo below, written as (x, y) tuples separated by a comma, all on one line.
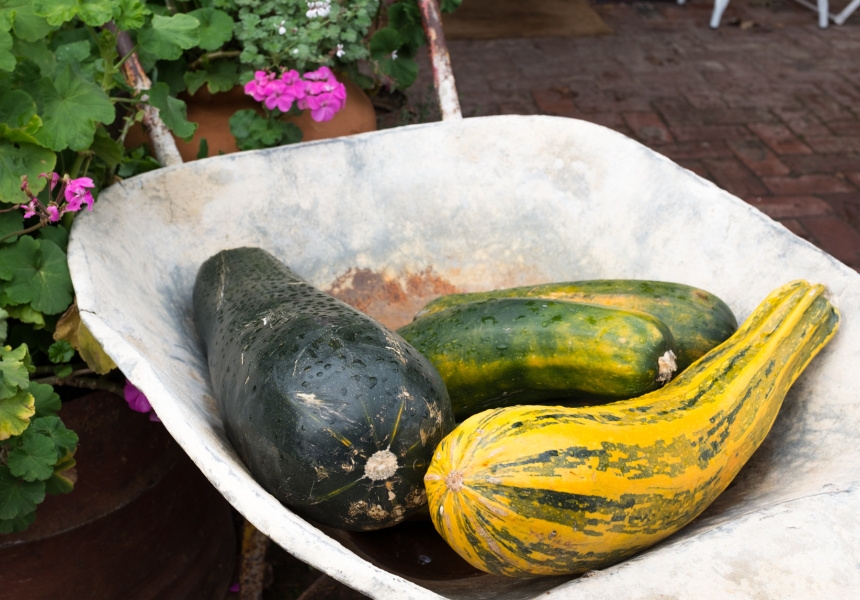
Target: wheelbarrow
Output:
[(391, 219)]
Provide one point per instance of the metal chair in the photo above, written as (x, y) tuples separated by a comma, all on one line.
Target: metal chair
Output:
[(822, 7)]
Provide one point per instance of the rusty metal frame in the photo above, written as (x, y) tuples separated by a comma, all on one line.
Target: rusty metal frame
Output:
[(443, 76)]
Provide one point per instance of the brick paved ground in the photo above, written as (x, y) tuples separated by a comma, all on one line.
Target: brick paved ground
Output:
[(767, 106)]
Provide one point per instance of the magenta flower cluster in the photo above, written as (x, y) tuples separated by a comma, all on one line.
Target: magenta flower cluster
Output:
[(73, 195), (317, 91)]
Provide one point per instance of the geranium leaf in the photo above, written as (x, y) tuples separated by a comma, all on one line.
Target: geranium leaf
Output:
[(96, 12), (4, 326), (17, 159), (65, 476), (34, 457), (56, 12), (47, 401), (71, 329), (15, 413), (132, 15), (172, 111), (10, 222), (26, 314), (58, 235), (385, 41), (219, 76), (7, 59), (216, 27), (20, 523), (65, 440), (18, 497), (403, 69), (107, 149), (38, 275), (27, 25), (20, 120), (72, 107), (60, 352), (15, 369), (169, 36)]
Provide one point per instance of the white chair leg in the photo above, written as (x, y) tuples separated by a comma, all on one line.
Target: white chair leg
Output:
[(846, 12), (823, 16), (719, 8)]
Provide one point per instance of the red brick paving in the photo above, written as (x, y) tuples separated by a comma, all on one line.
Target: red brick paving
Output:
[(769, 111)]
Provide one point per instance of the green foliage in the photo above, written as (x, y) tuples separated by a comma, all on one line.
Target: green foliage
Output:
[(66, 107), (253, 131)]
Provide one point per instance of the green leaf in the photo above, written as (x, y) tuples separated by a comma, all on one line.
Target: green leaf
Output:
[(216, 27), (17, 524), (15, 369), (169, 36), (7, 59), (220, 76), (385, 41), (72, 107), (47, 401), (73, 53), (26, 314), (28, 26), (172, 111), (106, 148), (56, 12), (34, 457), (253, 131), (63, 371), (58, 235), (20, 121), (17, 159), (64, 440), (4, 325), (132, 15), (449, 6), (18, 497), (64, 478), (61, 352), (38, 275), (96, 13), (15, 413), (10, 222), (403, 69)]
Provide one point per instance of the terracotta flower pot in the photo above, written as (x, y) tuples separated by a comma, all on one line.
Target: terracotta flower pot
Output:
[(141, 523), (212, 113)]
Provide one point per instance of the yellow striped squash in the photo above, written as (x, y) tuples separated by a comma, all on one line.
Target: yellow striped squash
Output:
[(537, 490)]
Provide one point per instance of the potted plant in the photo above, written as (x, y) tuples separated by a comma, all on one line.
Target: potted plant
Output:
[(290, 52)]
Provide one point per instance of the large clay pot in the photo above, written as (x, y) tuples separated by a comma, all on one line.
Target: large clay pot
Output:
[(142, 522), (212, 113)]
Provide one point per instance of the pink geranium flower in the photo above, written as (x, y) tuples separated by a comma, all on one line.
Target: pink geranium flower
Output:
[(258, 88), (318, 91), (53, 213), (137, 401), (77, 193)]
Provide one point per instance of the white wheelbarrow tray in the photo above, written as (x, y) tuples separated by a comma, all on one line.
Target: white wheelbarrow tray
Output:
[(388, 220)]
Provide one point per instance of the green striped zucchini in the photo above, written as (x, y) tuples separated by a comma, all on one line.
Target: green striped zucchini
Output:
[(505, 351), (537, 490), (698, 319)]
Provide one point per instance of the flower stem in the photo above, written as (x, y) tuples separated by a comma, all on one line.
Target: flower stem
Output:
[(77, 379), (213, 55), (22, 232)]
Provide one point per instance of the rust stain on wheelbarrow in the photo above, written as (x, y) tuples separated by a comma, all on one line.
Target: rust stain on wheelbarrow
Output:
[(391, 299)]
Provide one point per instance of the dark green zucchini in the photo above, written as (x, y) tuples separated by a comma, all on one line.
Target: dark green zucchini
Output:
[(698, 319), (505, 351), (333, 413)]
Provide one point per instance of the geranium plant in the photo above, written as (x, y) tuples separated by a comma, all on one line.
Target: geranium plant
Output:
[(68, 98)]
